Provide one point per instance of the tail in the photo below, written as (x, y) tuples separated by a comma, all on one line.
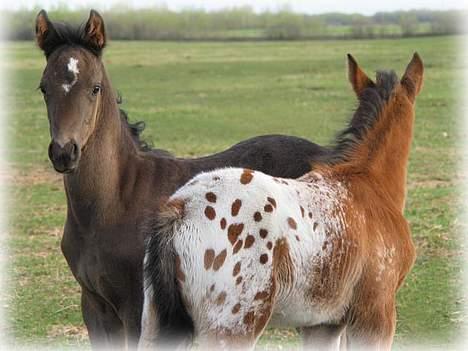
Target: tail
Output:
[(175, 326)]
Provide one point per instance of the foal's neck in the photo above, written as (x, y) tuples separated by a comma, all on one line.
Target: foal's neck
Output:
[(387, 148), (94, 190)]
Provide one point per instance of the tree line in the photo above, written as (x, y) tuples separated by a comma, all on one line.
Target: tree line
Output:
[(242, 23)]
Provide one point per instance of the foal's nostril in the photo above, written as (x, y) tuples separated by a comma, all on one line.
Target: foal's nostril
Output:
[(73, 151), (51, 150)]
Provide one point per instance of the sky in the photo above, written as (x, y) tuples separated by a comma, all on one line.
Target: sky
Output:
[(304, 6)]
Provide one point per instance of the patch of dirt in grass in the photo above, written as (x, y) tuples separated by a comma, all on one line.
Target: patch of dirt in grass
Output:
[(279, 339), (43, 230), (35, 176), (424, 247), (429, 183), (75, 332), (55, 232)]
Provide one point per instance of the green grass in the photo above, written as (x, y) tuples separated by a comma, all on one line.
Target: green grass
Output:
[(198, 98)]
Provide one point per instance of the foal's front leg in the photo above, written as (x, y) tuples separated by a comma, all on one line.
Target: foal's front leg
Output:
[(324, 337), (105, 328)]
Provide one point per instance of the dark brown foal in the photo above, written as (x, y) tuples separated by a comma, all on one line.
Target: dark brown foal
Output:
[(111, 181)]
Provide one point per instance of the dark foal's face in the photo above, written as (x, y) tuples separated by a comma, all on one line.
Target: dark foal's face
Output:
[(71, 85), (72, 88)]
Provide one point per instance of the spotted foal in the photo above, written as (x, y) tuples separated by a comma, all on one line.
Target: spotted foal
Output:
[(235, 250)]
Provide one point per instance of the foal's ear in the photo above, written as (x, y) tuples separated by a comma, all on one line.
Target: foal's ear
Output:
[(44, 29), (358, 79), (95, 33), (412, 80)]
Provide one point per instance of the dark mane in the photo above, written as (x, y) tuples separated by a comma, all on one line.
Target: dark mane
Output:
[(65, 34), (135, 128), (371, 102)]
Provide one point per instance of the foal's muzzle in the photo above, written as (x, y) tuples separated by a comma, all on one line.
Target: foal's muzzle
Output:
[(64, 158)]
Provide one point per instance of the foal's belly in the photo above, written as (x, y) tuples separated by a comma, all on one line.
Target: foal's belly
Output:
[(292, 317), (299, 305), (296, 312)]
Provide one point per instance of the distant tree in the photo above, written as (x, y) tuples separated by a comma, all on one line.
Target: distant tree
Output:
[(161, 23), (336, 19), (359, 26), (447, 22), (408, 24), (285, 25), (313, 26)]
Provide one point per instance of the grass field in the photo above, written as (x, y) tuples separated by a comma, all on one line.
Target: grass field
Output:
[(198, 98)]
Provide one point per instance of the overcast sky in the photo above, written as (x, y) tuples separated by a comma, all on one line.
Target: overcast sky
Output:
[(306, 6)]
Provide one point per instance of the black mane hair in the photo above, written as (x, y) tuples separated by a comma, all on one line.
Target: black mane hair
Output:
[(135, 128), (371, 102), (64, 34)]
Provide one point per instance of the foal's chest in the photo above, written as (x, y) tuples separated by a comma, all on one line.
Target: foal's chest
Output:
[(104, 261)]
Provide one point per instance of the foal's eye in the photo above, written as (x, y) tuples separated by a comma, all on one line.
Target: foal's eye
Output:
[(96, 89)]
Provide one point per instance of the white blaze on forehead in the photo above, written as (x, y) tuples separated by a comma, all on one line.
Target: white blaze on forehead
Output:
[(72, 66)]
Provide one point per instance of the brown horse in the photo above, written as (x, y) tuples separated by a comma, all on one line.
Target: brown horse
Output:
[(111, 179), (236, 249)]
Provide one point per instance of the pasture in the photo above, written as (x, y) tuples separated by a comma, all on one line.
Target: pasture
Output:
[(199, 98)]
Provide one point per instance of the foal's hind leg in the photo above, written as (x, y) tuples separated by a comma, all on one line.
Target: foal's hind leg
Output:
[(149, 322), (214, 341), (241, 330), (372, 326), (325, 337)]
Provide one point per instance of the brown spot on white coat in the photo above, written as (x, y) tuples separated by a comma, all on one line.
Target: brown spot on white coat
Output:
[(209, 258), (257, 216), (222, 223), (236, 308), (272, 201), (211, 197), (292, 223), (236, 269), (263, 233), (221, 298), (210, 212), (249, 240), (219, 260), (236, 205), (234, 230), (237, 246), (247, 176)]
